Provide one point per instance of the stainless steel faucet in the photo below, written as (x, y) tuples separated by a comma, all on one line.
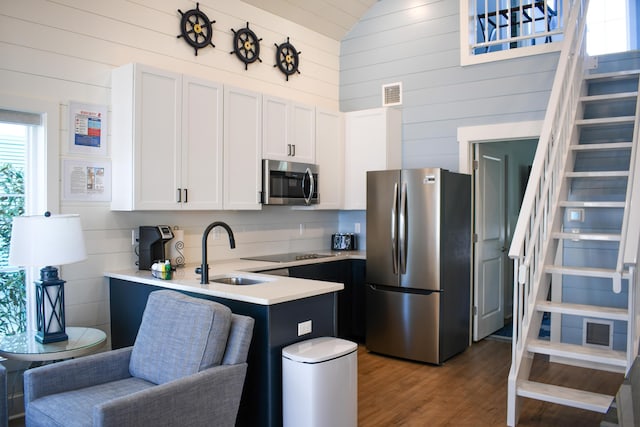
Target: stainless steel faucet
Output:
[(203, 270)]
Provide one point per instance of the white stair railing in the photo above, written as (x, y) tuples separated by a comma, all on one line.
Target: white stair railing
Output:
[(529, 248), (630, 223), (630, 244)]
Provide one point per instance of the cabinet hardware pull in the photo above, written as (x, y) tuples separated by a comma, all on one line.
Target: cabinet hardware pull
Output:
[(179, 196), (186, 195), (293, 146)]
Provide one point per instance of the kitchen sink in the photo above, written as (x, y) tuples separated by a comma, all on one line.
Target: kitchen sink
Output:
[(238, 280)]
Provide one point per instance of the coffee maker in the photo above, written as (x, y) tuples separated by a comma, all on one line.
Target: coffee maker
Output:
[(151, 244)]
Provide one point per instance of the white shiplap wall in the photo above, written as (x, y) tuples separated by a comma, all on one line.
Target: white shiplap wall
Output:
[(64, 50), (417, 43)]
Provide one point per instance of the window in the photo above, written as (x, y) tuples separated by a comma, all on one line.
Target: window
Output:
[(24, 188), (607, 27), (13, 297)]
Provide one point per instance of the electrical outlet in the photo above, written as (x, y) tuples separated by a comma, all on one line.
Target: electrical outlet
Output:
[(301, 229), (216, 233), (357, 227), (304, 328), (134, 236)]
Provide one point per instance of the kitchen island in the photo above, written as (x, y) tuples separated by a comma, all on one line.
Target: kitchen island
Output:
[(278, 305)]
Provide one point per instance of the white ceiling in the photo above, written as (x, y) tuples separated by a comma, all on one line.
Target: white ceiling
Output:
[(333, 18)]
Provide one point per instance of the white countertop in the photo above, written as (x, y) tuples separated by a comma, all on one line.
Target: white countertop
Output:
[(275, 289)]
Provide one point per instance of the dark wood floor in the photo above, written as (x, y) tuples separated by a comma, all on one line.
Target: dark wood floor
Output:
[(468, 390)]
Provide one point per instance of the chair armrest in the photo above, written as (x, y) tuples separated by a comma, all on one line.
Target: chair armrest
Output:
[(76, 373), (210, 397)]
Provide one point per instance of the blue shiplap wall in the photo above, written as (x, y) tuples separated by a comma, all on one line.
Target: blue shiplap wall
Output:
[(416, 42)]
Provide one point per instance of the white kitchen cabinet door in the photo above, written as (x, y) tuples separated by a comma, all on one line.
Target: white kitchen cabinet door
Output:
[(146, 138), (242, 149), (372, 142), (288, 130), (330, 158), (202, 142), (303, 133), (275, 128)]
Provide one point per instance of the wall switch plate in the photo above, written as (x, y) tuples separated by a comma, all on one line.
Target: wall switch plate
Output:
[(357, 227), (304, 328)]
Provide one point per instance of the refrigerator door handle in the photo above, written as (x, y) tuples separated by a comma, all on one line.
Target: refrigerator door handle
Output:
[(394, 226), (402, 229)]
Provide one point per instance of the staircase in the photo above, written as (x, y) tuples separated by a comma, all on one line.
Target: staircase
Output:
[(585, 278), (575, 247)]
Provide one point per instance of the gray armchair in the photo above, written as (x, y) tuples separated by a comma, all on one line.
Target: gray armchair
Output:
[(186, 368)]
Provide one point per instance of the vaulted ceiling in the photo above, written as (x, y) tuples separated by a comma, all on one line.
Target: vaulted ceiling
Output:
[(332, 18)]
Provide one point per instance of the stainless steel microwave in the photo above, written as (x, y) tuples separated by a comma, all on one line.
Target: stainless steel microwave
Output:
[(289, 183)]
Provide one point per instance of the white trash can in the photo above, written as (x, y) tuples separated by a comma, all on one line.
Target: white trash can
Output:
[(320, 383)]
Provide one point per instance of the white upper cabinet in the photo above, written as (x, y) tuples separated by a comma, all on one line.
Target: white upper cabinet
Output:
[(330, 158), (202, 141), (242, 149), (372, 142), (146, 138), (167, 140), (288, 130)]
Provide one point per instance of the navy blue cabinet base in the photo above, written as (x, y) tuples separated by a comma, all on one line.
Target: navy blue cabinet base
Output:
[(351, 300), (275, 328)]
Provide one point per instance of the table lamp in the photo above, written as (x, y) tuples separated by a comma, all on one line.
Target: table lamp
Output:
[(48, 240)]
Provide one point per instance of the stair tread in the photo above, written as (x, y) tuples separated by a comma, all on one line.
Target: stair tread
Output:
[(602, 146), (597, 174), (566, 396), (609, 96), (610, 237), (599, 312), (613, 75), (605, 121), (578, 352), (584, 204), (606, 273)]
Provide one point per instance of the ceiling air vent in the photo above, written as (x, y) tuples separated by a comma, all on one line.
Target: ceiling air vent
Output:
[(392, 94)]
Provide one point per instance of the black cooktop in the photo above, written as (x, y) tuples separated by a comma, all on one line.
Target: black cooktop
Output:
[(287, 257)]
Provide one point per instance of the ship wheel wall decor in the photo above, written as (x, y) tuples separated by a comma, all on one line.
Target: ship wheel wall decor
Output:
[(196, 28), (246, 46), (287, 58)]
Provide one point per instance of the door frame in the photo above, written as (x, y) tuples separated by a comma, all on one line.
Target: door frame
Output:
[(468, 136)]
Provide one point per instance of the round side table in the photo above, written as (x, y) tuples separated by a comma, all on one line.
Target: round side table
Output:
[(24, 346)]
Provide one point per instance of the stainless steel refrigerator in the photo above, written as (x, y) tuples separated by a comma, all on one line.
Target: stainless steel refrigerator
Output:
[(418, 269)]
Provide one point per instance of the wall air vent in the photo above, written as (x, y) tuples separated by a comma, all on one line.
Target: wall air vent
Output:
[(392, 94), (597, 333)]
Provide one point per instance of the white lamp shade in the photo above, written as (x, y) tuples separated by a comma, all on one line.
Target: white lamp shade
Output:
[(38, 241)]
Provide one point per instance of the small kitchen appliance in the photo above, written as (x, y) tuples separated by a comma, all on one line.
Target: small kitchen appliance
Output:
[(344, 242), (289, 183), (151, 244)]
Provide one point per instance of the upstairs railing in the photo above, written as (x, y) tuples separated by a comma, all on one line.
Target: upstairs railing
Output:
[(502, 25), (529, 248)]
